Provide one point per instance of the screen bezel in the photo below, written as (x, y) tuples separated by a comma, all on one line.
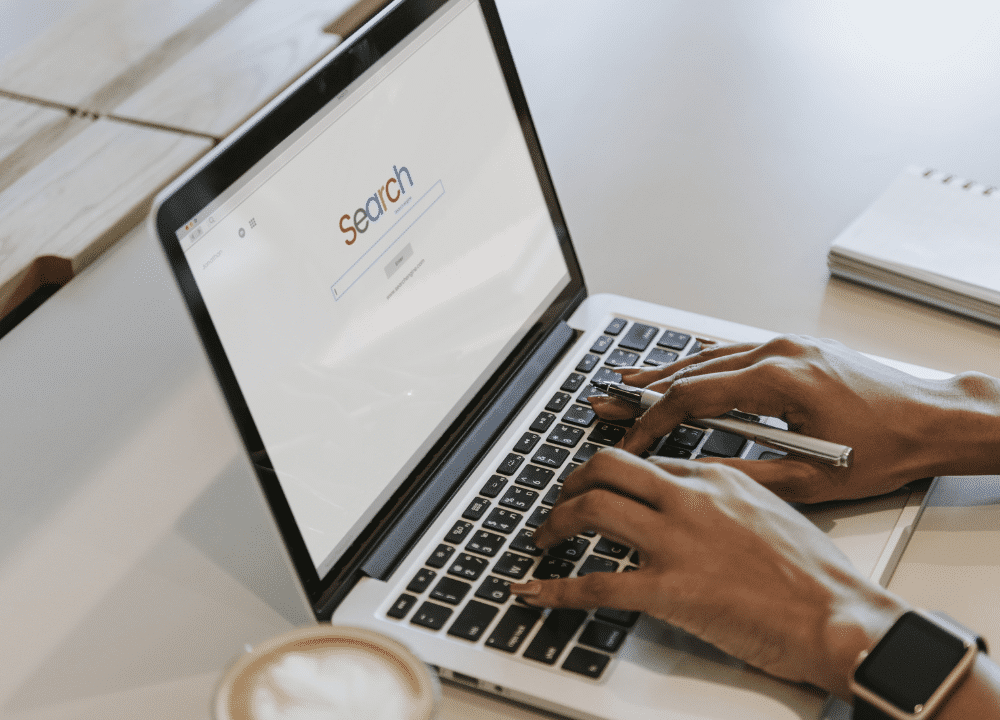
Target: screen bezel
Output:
[(228, 163)]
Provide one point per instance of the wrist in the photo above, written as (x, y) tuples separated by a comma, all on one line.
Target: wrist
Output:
[(854, 627), (962, 427)]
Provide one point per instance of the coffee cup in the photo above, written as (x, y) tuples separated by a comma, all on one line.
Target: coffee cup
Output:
[(330, 672)]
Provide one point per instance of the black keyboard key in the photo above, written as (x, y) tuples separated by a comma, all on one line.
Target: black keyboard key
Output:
[(596, 564), (550, 456), (519, 498), (431, 615), (551, 568), (421, 580), (589, 392), (537, 517), (535, 477), (567, 470), (611, 549), (485, 543), (510, 464), (527, 442), (586, 451), (607, 433), (402, 606), (559, 401), (554, 635), (638, 337), (552, 495), (586, 662), (667, 450), (565, 435), (459, 531), (439, 558), (450, 590), (723, 444), (659, 356), (606, 375), (513, 628), (622, 358), (695, 348), (685, 437), (472, 622), (524, 542), (543, 422), (573, 383), (579, 415), (602, 636), (493, 486), (476, 509), (494, 589), (616, 326), (571, 549), (588, 363), (625, 618), (468, 567), (601, 344), (513, 565), (501, 520), (634, 558), (673, 340)]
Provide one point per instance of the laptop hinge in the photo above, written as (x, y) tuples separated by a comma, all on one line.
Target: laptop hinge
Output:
[(478, 440)]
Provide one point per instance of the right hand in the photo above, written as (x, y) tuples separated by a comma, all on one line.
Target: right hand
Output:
[(894, 421)]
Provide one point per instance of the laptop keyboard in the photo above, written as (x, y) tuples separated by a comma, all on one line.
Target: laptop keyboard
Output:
[(463, 588)]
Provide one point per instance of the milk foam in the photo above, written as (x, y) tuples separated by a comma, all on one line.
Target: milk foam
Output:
[(335, 685)]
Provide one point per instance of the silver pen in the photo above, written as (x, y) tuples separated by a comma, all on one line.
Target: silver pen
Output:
[(772, 437)]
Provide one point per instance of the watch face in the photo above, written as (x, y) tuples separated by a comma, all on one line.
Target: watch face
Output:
[(910, 662)]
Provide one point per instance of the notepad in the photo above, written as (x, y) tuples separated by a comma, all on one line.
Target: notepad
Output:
[(931, 237)]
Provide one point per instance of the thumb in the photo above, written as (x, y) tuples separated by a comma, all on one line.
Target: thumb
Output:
[(621, 591)]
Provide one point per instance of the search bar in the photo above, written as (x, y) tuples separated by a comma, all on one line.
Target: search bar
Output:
[(385, 243)]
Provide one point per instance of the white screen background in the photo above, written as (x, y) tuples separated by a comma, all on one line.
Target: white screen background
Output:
[(346, 392)]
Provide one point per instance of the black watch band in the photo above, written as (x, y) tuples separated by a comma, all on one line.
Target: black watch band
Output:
[(914, 667)]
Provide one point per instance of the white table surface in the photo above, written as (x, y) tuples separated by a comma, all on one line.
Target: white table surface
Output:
[(705, 155)]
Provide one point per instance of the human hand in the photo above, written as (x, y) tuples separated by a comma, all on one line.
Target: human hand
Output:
[(722, 558), (893, 420)]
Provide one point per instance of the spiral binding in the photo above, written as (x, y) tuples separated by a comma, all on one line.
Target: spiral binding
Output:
[(968, 185)]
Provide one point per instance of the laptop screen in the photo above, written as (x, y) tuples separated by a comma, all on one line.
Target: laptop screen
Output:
[(369, 274)]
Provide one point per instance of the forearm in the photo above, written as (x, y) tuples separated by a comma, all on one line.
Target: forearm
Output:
[(965, 437)]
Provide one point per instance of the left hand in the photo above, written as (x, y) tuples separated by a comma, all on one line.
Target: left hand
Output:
[(722, 558)]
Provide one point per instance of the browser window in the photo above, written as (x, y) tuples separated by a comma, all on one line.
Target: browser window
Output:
[(379, 274)]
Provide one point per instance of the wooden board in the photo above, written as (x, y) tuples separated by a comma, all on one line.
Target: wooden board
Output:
[(81, 198), (87, 51), (226, 78), (19, 122)]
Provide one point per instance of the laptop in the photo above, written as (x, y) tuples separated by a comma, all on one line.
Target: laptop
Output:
[(383, 281)]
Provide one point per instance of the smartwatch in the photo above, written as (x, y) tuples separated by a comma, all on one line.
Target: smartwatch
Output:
[(913, 669)]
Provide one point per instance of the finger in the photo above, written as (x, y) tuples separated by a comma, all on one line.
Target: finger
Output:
[(623, 591), (611, 408), (645, 376), (624, 473), (620, 519), (687, 398)]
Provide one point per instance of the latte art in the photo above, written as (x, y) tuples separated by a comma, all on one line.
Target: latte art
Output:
[(328, 673)]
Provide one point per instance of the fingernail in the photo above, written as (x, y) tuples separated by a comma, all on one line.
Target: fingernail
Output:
[(528, 589), (599, 399)]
